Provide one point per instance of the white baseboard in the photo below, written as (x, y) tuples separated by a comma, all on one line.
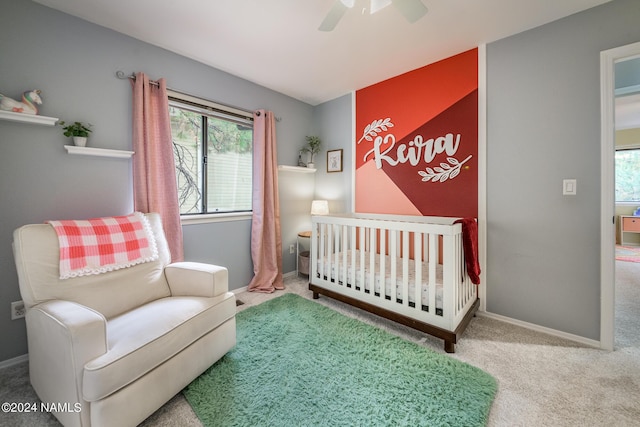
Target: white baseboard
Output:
[(244, 288), (289, 274), (16, 360), (543, 329), (239, 290)]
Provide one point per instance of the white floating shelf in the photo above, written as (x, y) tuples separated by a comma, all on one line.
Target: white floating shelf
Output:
[(299, 169), (27, 118), (98, 152)]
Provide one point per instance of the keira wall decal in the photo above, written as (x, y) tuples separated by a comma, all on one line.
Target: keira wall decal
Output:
[(417, 143)]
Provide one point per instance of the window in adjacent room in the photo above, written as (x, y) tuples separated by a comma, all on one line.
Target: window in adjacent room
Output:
[(212, 146), (627, 164)]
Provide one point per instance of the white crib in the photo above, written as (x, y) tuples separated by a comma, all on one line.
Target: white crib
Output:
[(408, 269)]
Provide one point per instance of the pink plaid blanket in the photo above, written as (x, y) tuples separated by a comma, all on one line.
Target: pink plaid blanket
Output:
[(99, 245)]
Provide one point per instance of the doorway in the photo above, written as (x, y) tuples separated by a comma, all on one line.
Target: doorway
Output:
[(608, 60)]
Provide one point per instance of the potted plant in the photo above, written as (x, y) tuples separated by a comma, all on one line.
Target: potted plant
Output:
[(313, 147), (78, 131)]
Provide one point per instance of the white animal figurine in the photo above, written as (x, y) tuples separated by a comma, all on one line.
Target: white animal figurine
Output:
[(28, 105)]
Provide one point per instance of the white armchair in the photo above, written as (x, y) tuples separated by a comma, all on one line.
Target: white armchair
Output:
[(110, 349)]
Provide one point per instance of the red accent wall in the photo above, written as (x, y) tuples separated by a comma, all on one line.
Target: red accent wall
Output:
[(417, 141)]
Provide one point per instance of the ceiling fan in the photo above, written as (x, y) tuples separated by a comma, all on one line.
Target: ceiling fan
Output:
[(412, 10)]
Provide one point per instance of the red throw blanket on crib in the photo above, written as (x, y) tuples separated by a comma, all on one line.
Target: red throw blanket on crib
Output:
[(99, 245), (470, 245)]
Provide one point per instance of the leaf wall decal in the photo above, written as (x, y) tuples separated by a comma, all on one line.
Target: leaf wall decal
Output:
[(444, 171)]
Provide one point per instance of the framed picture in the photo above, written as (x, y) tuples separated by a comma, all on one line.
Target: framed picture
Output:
[(334, 160)]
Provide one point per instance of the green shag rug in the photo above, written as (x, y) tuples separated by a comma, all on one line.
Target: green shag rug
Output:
[(298, 363)]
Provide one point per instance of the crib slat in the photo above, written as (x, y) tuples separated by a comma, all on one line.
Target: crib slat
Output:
[(417, 257), (433, 264), (383, 264), (372, 261), (457, 247), (363, 246), (405, 268), (322, 252), (344, 250), (354, 247), (393, 262), (448, 283), (332, 250), (336, 252), (461, 284), (313, 252)]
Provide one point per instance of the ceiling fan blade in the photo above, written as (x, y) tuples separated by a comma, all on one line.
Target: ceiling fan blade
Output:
[(333, 17), (377, 5), (412, 10)]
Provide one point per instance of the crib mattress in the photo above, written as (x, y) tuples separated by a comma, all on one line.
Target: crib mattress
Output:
[(391, 289)]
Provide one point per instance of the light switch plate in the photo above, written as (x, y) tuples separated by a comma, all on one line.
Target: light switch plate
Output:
[(569, 187)]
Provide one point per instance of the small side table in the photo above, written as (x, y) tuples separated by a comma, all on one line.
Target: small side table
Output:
[(628, 224), (301, 235)]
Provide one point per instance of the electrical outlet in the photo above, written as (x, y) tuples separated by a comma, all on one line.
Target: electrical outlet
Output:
[(17, 310), (292, 249)]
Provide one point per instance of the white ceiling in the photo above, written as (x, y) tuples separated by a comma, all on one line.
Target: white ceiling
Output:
[(275, 43)]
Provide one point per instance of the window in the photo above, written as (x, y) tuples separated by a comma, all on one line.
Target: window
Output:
[(627, 164), (212, 146)]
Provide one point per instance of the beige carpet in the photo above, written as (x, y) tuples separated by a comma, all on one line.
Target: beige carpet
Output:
[(542, 380)]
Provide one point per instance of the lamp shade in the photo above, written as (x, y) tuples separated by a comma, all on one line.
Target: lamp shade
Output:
[(319, 207)]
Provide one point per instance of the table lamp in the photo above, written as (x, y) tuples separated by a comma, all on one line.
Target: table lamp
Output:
[(320, 207)]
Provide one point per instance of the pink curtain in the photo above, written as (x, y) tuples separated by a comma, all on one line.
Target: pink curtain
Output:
[(154, 176), (266, 242)]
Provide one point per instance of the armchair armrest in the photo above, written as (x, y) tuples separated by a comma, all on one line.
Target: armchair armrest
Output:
[(196, 279), (62, 336)]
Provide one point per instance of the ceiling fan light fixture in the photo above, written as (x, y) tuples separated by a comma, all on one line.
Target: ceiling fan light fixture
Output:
[(377, 5), (412, 10)]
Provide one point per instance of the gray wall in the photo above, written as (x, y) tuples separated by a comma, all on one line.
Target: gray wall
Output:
[(334, 120), (543, 255), (296, 191), (74, 62), (332, 123)]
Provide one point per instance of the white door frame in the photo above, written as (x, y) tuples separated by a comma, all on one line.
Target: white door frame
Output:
[(608, 59)]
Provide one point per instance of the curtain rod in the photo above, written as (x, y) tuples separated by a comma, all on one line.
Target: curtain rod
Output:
[(122, 76)]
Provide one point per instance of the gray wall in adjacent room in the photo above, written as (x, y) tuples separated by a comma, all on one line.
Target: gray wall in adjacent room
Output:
[(543, 100), (627, 73), (74, 63)]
